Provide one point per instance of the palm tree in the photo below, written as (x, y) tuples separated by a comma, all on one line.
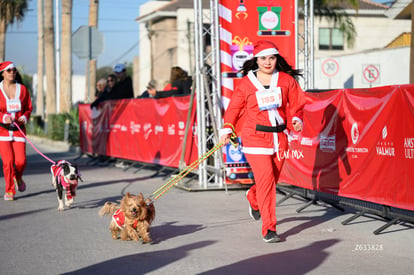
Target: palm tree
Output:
[(93, 22), (333, 11), (10, 10), (66, 58), (40, 60), (49, 31)]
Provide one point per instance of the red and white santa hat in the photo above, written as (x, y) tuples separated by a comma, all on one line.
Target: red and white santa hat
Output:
[(6, 65), (264, 48)]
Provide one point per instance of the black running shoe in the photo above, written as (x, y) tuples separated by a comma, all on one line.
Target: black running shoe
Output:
[(255, 214), (271, 237)]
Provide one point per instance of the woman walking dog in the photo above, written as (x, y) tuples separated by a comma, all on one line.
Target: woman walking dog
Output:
[(268, 94), (15, 107)]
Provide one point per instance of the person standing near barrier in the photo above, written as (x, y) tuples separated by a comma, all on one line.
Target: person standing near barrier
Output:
[(15, 107), (268, 94)]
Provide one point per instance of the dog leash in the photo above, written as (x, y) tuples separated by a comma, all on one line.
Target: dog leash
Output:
[(173, 181), (34, 147)]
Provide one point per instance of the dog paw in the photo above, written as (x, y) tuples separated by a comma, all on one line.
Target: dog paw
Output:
[(147, 240), (68, 203), (61, 209)]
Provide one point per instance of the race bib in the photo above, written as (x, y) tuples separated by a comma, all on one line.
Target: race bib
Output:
[(269, 99), (13, 106)]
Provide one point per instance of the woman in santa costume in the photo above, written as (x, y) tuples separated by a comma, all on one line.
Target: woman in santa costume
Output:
[(15, 107), (266, 96)]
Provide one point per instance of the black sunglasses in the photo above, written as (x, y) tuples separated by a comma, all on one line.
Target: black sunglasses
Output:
[(11, 70)]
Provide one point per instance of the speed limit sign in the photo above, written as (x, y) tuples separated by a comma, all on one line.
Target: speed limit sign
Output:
[(330, 67)]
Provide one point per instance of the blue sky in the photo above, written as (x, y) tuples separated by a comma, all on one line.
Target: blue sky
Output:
[(116, 21)]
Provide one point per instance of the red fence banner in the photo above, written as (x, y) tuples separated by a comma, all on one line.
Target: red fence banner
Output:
[(145, 130), (356, 143)]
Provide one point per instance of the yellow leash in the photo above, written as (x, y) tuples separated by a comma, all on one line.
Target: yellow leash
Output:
[(173, 181)]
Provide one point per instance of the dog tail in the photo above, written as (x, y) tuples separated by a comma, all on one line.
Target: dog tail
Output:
[(109, 208)]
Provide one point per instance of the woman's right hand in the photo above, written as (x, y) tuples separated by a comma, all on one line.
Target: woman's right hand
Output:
[(225, 138)]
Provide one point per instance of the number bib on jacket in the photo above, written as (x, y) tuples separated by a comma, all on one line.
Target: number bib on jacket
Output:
[(269, 99), (13, 105)]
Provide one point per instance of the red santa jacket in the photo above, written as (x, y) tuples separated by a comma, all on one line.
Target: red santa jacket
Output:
[(22, 96), (244, 98)]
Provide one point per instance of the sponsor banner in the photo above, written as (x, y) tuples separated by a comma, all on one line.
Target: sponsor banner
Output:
[(144, 130), (357, 143)]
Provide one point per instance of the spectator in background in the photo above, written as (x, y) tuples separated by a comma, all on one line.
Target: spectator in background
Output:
[(100, 87), (121, 89), (180, 84), (150, 91), (110, 82)]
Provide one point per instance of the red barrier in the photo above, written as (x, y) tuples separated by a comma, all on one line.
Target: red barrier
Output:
[(357, 143), (144, 130)]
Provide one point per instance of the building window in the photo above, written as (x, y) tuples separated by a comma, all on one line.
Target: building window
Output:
[(331, 39)]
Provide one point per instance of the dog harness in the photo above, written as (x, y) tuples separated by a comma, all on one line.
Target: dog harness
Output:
[(119, 218), (70, 185)]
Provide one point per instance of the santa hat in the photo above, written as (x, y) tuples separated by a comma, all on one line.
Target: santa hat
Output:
[(6, 65), (264, 48)]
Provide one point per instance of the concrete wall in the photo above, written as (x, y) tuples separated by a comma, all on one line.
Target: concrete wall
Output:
[(382, 66)]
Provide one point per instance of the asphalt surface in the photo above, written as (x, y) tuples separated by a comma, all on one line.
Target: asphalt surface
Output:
[(206, 232)]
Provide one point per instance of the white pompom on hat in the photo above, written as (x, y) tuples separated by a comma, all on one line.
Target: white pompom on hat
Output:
[(264, 48), (6, 65)]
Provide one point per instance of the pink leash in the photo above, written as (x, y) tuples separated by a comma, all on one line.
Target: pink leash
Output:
[(34, 147)]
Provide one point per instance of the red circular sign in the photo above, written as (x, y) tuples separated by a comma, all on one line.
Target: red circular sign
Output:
[(330, 67), (371, 73)]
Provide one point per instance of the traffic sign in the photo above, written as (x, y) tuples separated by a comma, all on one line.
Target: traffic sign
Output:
[(371, 73), (330, 67), (87, 42)]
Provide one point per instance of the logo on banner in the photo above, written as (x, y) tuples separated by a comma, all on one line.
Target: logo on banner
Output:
[(328, 143), (171, 129), (354, 133), (158, 129), (409, 148), (385, 148), (135, 128), (355, 138), (270, 21), (147, 130)]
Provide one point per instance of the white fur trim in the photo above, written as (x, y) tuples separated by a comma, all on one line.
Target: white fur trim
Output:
[(258, 151), (225, 131), (295, 118), (266, 52), (25, 119)]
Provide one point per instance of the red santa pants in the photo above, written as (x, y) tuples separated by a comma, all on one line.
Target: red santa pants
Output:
[(13, 155), (262, 195)]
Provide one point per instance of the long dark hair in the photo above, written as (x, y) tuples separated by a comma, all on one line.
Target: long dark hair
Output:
[(281, 66), (18, 78)]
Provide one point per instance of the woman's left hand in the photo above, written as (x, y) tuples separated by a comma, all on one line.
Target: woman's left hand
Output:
[(297, 125)]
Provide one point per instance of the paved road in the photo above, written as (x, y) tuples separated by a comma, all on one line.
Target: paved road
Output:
[(206, 232)]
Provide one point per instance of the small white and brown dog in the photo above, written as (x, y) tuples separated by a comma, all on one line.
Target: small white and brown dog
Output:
[(65, 177)]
